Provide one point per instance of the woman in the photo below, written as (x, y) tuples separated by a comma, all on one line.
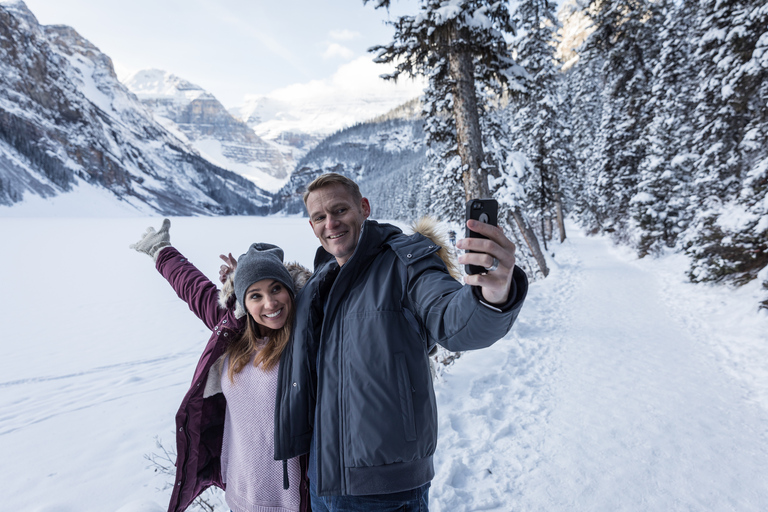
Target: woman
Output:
[(225, 425)]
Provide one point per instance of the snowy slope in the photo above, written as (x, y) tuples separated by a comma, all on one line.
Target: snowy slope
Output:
[(622, 387), (377, 155)]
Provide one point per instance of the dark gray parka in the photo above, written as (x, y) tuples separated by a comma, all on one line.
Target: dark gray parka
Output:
[(357, 370)]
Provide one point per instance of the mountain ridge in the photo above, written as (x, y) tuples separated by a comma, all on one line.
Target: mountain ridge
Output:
[(198, 118), (66, 119)]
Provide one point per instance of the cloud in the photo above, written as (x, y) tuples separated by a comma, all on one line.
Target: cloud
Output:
[(343, 35), (355, 93), (357, 79), (336, 50)]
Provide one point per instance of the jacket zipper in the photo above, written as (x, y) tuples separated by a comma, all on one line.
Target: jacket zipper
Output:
[(183, 478), (342, 422), (340, 395)]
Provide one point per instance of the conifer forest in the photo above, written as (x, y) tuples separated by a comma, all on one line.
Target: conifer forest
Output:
[(642, 119)]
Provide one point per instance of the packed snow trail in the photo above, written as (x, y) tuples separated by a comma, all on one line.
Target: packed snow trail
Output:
[(601, 399)]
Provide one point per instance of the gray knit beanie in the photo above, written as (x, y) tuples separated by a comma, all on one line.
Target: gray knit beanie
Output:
[(262, 261)]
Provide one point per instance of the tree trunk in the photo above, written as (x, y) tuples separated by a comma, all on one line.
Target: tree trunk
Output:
[(560, 219), (468, 135), (530, 239), (559, 207)]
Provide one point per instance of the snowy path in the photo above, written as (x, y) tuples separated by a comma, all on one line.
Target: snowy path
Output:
[(602, 399)]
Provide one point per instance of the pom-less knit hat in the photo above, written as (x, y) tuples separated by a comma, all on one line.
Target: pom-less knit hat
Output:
[(262, 261)]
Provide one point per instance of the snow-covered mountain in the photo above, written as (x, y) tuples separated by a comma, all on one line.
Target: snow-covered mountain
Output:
[(66, 121), (576, 26), (283, 122), (199, 119), (303, 114), (385, 156)]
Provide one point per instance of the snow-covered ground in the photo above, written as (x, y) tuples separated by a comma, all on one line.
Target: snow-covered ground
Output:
[(622, 387)]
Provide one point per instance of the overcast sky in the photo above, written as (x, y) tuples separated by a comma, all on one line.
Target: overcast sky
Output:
[(232, 48)]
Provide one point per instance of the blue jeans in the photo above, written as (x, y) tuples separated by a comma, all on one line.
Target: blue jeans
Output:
[(415, 500)]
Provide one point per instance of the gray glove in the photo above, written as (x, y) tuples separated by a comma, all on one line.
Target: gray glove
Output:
[(152, 241)]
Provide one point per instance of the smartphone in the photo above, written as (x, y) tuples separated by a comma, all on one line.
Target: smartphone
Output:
[(483, 210)]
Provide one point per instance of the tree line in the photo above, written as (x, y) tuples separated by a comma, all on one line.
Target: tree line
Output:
[(654, 132)]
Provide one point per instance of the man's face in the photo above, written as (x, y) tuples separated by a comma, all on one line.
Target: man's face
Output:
[(337, 219)]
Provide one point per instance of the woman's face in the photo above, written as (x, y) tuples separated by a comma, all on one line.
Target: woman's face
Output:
[(269, 302)]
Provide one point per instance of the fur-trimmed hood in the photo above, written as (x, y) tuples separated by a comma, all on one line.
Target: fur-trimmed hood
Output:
[(299, 273), (430, 228)]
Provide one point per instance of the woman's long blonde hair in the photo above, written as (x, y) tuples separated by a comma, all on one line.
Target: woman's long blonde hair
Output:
[(250, 341)]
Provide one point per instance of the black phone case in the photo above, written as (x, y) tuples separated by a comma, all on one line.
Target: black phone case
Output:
[(484, 210)]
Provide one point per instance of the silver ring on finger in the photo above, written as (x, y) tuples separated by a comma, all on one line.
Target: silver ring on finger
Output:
[(494, 265)]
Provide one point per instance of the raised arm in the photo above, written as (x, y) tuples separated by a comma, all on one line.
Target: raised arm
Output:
[(473, 315), (191, 285)]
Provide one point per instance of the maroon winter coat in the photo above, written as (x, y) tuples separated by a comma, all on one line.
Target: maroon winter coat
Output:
[(200, 421)]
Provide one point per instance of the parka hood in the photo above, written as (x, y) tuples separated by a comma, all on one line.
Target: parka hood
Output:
[(430, 228)]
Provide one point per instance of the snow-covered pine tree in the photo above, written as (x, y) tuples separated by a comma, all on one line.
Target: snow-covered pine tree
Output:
[(729, 237), (455, 44), (624, 38), (538, 127), (659, 209), (459, 46), (582, 88), (754, 191), (506, 183)]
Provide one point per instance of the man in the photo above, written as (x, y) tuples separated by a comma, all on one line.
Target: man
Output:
[(354, 386)]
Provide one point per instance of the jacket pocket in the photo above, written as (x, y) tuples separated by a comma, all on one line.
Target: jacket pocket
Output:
[(406, 397)]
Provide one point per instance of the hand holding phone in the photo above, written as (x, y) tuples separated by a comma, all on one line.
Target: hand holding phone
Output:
[(492, 256), (481, 210)]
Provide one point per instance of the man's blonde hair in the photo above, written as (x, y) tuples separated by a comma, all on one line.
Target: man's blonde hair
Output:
[(333, 178)]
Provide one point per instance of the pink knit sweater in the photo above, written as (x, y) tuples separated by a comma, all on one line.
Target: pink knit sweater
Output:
[(254, 480)]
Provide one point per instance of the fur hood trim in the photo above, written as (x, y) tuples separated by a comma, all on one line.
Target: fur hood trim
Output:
[(299, 274), (430, 228)]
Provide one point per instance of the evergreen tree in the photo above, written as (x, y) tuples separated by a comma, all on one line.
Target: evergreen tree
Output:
[(659, 210), (583, 87), (507, 184), (729, 237), (537, 123), (624, 37), (459, 46)]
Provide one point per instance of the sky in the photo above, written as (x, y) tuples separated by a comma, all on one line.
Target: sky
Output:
[(232, 48)]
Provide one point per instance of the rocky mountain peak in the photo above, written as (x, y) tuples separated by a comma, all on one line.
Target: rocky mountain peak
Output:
[(65, 120), (156, 83), (197, 116), (19, 10)]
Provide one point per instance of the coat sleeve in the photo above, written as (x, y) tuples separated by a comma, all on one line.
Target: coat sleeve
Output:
[(191, 285), (452, 314)]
